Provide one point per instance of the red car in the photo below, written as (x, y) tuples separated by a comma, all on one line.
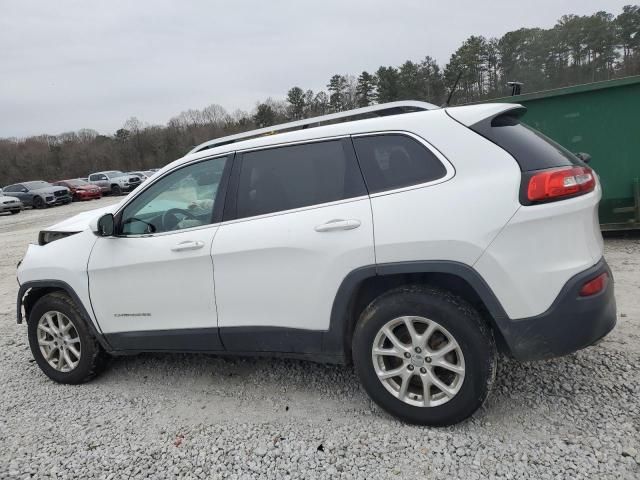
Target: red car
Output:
[(81, 190)]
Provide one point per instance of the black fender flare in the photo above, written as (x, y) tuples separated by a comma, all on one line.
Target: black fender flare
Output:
[(50, 285), (334, 339)]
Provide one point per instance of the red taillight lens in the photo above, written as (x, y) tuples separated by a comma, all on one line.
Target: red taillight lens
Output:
[(560, 182), (594, 286)]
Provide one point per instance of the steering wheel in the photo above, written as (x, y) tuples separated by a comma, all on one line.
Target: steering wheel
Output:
[(170, 219)]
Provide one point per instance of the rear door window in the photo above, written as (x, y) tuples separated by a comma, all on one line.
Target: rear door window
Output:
[(531, 149), (393, 161), (285, 178)]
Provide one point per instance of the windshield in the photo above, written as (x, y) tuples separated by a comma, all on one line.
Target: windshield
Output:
[(36, 185), (76, 183)]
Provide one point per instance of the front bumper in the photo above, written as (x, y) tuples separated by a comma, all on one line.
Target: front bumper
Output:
[(129, 187), (57, 200), (570, 324), (11, 207), (78, 195)]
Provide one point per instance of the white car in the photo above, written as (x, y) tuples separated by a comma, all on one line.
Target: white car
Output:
[(415, 244), (10, 204)]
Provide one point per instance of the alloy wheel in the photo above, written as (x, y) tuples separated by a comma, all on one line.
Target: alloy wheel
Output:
[(418, 361), (59, 341)]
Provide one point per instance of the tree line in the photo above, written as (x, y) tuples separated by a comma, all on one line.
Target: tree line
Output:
[(578, 49)]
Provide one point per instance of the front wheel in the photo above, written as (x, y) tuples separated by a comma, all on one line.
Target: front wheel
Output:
[(424, 355), (38, 202), (116, 190), (61, 342), (14, 212)]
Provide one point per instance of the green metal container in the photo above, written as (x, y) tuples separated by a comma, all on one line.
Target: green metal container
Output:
[(602, 119)]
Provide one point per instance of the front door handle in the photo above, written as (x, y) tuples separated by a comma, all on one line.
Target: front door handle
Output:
[(339, 224), (188, 245)]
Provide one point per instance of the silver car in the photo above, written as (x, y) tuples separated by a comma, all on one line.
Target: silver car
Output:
[(10, 204), (114, 181)]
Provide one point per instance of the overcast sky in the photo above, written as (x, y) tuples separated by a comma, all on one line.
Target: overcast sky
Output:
[(66, 65)]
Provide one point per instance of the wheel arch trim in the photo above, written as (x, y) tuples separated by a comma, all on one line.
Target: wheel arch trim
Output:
[(58, 285), (340, 321)]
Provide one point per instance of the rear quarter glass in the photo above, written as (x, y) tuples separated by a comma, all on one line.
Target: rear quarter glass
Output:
[(530, 148)]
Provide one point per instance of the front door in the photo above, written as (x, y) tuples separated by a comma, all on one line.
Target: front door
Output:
[(151, 285), (301, 222)]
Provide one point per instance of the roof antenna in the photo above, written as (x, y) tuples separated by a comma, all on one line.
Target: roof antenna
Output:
[(453, 89)]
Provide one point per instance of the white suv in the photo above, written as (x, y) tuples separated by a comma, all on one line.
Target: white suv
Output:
[(415, 244)]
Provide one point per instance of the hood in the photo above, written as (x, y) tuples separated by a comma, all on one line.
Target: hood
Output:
[(51, 189), (4, 198), (81, 221)]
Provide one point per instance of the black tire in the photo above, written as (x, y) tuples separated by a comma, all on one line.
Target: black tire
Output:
[(92, 358), (38, 202), (462, 321), (116, 190), (14, 212)]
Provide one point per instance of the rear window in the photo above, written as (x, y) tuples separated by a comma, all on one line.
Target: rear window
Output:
[(531, 149), (394, 161)]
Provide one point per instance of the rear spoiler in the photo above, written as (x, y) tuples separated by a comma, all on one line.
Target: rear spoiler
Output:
[(469, 115)]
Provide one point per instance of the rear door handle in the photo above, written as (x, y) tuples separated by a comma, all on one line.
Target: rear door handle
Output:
[(188, 245), (339, 224)]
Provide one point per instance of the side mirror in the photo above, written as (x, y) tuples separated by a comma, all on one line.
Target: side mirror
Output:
[(585, 157), (103, 226)]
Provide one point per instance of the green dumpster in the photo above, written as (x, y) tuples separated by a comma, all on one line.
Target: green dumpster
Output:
[(602, 119)]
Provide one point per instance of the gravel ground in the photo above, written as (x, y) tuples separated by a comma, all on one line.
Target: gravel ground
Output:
[(196, 416)]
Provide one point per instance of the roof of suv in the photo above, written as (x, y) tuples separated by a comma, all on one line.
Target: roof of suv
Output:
[(390, 116), (383, 109)]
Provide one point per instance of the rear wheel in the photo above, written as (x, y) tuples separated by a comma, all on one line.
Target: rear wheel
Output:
[(116, 190), (424, 355), (38, 202), (61, 342)]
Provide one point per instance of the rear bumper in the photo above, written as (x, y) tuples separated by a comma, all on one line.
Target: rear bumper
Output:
[(570, 324)]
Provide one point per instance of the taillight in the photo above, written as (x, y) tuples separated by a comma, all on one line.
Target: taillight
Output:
[(561, 182), (594, 286)]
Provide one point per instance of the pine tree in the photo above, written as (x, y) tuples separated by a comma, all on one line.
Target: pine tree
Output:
[(296, 99), (337, 86), (365, 89)]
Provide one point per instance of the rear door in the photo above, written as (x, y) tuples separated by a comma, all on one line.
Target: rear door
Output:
[(299, 220)]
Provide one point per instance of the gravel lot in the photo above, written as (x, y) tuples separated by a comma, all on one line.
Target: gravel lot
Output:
[(196, 416)]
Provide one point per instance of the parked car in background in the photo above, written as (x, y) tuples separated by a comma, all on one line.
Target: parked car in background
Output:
[(38, 194), (142, 174), (10, 204), (80, 189), (115, 182)]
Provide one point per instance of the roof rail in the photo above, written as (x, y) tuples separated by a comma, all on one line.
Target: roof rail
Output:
[(380, 110)]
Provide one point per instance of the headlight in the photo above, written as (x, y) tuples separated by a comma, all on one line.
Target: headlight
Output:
[(45, 237)]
